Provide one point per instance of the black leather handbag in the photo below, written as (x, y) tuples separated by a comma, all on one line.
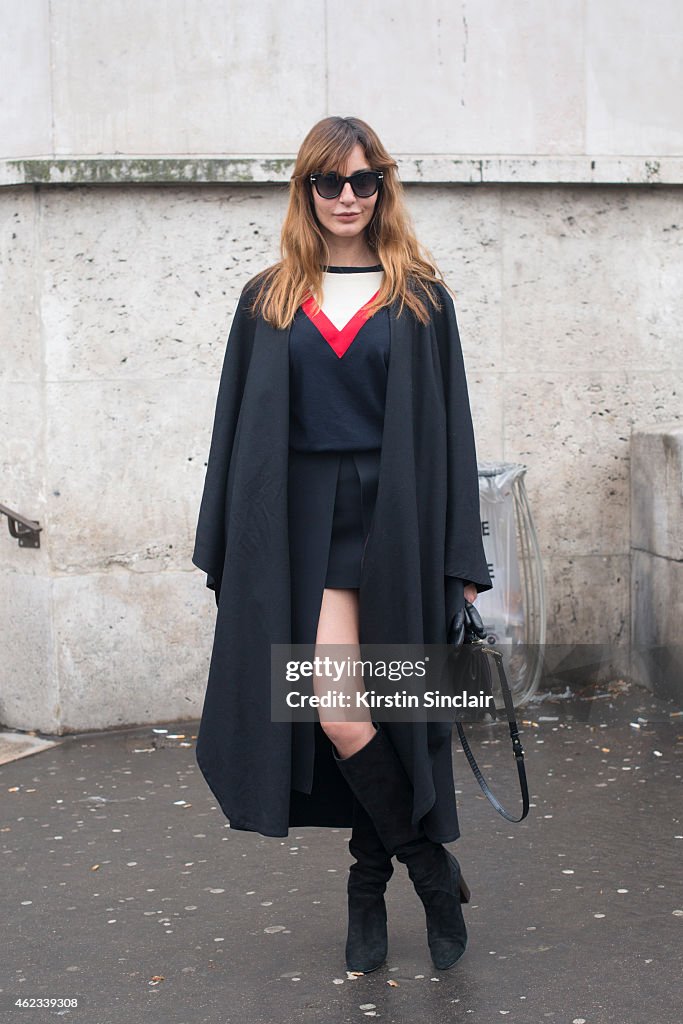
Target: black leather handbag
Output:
[(471, 656)]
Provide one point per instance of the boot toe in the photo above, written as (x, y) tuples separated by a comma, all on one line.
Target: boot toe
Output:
[(366, 943), (366, 966), (446, 954), (435, 873)]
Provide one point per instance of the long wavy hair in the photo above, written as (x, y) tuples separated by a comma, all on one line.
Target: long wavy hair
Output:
[(409, 270)]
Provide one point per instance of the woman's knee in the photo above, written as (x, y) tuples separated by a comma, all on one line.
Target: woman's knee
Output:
[(347, 734)]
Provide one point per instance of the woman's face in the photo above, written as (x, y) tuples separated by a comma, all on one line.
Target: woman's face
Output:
[(347, 215)]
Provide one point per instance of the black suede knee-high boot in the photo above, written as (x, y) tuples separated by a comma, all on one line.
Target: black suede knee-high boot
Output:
[(366, 943), (380, 782)]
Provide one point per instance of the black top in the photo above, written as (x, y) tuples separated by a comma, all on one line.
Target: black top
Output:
[(338, 379)]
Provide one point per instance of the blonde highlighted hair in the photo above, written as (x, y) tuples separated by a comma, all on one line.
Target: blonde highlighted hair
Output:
[(409, 271)]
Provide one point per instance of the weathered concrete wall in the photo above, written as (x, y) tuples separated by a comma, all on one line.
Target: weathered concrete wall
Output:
[(117, 305), (117, 300), (657, 558), (479, 77)]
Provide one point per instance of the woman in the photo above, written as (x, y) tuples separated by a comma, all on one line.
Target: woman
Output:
[(341, 506)]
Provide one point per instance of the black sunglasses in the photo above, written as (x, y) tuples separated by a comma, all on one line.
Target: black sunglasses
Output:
[(363, 183)]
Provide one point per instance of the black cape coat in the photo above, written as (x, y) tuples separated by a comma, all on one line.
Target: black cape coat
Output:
[(269, 776)]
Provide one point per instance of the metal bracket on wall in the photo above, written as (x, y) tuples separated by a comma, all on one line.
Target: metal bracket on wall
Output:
[(26, 531)]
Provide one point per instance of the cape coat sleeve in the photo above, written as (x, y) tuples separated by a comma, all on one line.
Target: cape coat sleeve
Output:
[(209, 547), (465, 559)]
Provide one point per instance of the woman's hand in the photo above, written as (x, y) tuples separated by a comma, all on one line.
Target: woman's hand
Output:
[(471, 592)]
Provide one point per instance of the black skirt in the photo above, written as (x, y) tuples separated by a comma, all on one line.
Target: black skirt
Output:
[(332, 496)]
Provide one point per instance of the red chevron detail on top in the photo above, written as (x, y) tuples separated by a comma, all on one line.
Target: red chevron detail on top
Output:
[(338, 340)]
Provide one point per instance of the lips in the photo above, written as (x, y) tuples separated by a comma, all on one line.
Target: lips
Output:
[(346, 216)]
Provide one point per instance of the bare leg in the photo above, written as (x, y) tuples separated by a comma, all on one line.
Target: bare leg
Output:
[(338, 624)]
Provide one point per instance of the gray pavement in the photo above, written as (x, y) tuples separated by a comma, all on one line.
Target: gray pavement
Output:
[(123, 885)]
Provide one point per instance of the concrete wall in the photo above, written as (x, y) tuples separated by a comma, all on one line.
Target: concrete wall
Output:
[(533, 77), (118, 305), (145, 150)]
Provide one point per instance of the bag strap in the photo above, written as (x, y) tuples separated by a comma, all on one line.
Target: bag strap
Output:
[(517, 747)]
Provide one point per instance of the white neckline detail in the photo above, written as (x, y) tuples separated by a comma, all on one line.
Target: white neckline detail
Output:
[(344, 294)]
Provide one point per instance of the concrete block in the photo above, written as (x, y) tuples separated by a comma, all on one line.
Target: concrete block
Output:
[(144, 282), (486, 403), (131, 647), (574, 435), (143, 77), (588, 600), (634, 74), (461, 228), (20, 328), (464, 80), (572, 432), (25, 73), (607, 262), (22, 473), (125, 472), (657, 491), (656, 625), (29, 681)]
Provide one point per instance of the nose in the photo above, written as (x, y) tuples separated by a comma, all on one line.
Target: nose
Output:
[(347, 194)]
